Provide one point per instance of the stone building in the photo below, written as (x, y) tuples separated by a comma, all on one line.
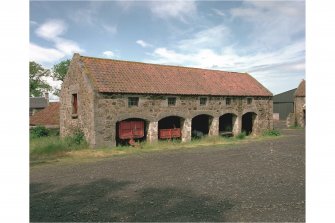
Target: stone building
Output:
[(38, 103), (47, 117), (98, 94), (298, 117)]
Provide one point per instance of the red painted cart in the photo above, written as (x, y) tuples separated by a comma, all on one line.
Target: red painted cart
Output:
[(169, 133), (131, 130)]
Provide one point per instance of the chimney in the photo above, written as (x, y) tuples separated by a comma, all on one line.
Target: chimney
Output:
[(46, 95)]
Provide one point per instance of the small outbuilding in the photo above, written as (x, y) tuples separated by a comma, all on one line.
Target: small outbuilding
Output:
[(38, 103), (116, 102), (47, 117), (283, 104), (298, 117)]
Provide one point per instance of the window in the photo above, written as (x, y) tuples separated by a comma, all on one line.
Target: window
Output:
[(171, 101), (203, 101), (228, 101), (74, 104), (132, 101), (249, 101)]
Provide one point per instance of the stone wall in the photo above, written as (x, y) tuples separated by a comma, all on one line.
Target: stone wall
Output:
[(299, 103), (77, 82), (111, 108)]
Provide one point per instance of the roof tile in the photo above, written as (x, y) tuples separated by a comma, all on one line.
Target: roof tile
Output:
[(115, 76), (47, 116)]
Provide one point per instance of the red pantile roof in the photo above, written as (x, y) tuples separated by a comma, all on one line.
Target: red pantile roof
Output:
[(300, 92), (117, 76), (47, 116)]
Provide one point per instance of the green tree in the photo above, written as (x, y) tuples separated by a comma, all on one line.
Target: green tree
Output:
[(59, 70), (36, 83)]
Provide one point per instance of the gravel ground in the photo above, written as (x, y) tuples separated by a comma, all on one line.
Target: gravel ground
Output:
[(258, 181)]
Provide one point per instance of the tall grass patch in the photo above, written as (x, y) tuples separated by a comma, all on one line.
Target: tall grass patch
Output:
[(242, 135), (273, 132), (54, 144)]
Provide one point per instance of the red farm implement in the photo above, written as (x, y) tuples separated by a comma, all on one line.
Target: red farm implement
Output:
[(131, 130), (169, 133)]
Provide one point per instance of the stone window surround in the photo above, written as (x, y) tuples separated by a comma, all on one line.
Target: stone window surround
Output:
[(172, 101), (203, 99), (74, 91), (74, 105), (134, 103), (228, 100), (249, 100)]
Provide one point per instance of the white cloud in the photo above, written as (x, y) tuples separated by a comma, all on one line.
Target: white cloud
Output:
[(211, 37), (109, 53), (269, 67), (173, 9), (219, 12), (272, 23), (68, 47), (33, 23), (51, 29), (110, 28), (44, 55), (142, 43)]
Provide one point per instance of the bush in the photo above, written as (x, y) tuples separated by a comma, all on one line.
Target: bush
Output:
[(39, 131), (273, 132), (242, 135), (76, 138)]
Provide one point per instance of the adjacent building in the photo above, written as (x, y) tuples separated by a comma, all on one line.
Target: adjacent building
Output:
[(114, 100), (38, 103), (47, 117), (298, 117), (283, 104)]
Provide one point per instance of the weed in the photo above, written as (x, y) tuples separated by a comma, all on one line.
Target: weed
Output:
[(273, 132), (53, 144), (242, 135), (296, 126), (39, 131)]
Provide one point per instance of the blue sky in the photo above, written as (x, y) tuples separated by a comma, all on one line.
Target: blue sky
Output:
[(263, 38)]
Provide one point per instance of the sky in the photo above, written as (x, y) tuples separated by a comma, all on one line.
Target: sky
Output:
[(263, 38)]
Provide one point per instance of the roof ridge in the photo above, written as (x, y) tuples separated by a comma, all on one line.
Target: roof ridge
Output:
[(163, 65)]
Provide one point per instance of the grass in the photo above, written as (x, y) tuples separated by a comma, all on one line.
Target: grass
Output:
[(53, 149), (295, 127), (273, 132)]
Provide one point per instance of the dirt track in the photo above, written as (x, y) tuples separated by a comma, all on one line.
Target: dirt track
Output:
[(258, 181)]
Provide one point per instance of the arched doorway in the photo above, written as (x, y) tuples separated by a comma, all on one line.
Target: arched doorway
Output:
[(201, 125), (248, 122), (226, 124), (131, 130), (170, 127)]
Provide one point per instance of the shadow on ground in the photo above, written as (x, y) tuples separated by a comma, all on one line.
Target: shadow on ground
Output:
[(104, 200)]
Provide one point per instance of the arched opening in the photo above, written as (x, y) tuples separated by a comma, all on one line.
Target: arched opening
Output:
[(226, 124), (131, 130), (248, 122), (201, 125), (170, 128)]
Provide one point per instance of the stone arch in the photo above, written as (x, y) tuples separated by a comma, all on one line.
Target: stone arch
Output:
[(167, 114), (122, 117), (201, 125), (249, 110), (170, 127), (228, 124), (249, 123), (197, 113), (137, 126), (228, 111)]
